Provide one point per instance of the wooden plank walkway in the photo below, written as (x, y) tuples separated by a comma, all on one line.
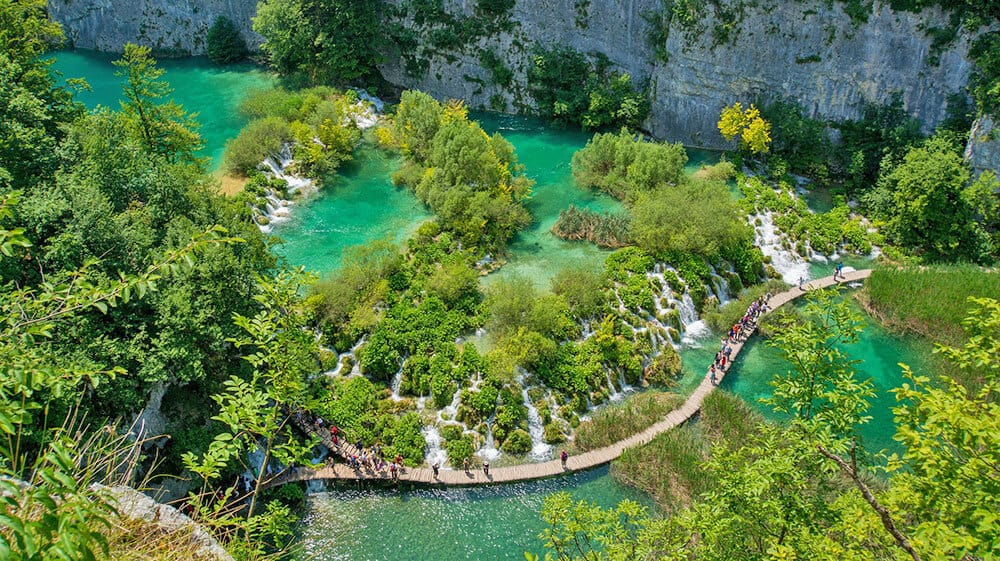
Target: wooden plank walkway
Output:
[(586, 460)]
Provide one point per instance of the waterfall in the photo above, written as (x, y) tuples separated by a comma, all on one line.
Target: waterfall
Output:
[(433, 453), (789, 264), (613, 394), (449, 412), (276, 209), (489, 450), (397, 381), (314, 486), (355, 368), (694, 327), (540, 451)]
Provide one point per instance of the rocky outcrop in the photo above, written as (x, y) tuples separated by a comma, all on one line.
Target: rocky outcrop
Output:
[(809, 51), (169, 27), (983, 150), (188, 537)]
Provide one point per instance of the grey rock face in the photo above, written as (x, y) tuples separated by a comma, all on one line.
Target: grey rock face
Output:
[(174, 27), (983, 150), (810, 52)]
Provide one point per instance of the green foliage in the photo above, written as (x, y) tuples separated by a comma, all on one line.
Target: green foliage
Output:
[(626, 167), (224, 43), (259, 139), (609, 230), (882, 135), (459, 449), (582, 289), (822, 388), (617, 421), (800, 141), (930, 207), (572, 524), (569, 88), (929, 300), (324, 41), (694, 217), (517, 442), (164, 128), (947, 476), (985, 82), (471, 180)]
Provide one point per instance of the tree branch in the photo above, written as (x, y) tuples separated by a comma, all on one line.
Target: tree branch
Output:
[(883, 513)]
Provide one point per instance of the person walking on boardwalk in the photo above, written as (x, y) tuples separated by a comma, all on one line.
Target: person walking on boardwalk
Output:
[(711, 375), (838, 272), (564, 456), (486, 468), (436, 467), (465, 464)]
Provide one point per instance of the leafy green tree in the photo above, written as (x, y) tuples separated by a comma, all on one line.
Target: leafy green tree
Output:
[(934, 208), (695, 217), (569, 88), (947, 479), (327, 41), (165, 128), (225, 44)]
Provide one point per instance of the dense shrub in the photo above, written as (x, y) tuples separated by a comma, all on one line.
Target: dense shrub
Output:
[(224, 43), (569, 88), (258, 140)]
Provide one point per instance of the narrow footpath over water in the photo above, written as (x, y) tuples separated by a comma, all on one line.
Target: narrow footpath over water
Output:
[(530, 471)]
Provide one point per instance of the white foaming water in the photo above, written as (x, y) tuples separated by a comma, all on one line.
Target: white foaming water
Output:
[(433, 452), (489, 450), (314, 486), (449, 412), (355, 368), (613, 394), (397, 381), (789, 264), (540, 451), (277, 166)]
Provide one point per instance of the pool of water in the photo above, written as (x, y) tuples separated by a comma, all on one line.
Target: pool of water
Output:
[(212, 91), (358, 206), (879, 353), (476, 524)]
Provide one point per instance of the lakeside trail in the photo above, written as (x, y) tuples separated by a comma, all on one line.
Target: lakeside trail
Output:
[(576, 462)]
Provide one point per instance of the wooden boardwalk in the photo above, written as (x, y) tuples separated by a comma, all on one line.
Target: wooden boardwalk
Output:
[(526, 472)]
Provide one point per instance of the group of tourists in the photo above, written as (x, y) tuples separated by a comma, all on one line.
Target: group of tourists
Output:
[(737, 334), (373, 459)]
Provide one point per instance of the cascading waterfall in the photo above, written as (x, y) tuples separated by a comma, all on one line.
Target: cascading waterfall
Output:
[(540, 451), (397, 381), (433, 452), (277, 209), (342, 359), (694, 327), (489, 449), (613, 394), (448, 413), (790, 265)]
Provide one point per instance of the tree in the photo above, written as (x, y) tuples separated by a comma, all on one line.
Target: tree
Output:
[(948, 478), (697, 217), (224, 42), (935, 210), (753, 130), (165, 128), (327, 41)]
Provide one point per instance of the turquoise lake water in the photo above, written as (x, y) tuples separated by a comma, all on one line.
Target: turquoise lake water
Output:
[(213, 92)]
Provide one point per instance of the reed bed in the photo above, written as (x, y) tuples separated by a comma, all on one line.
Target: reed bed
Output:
[(619, 421)]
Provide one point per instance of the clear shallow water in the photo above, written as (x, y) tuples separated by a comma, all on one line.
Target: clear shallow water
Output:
[(476, 524), (354, 208), (213, 92)]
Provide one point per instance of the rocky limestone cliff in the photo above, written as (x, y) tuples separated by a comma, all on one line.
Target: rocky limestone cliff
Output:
[(983, 150), (809, 51), (176, 27)]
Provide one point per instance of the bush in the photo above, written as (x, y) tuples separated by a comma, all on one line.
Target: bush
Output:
[(518, 442), (459, 449), (554, 433), (258, 140), (569, 88), (225, 44)]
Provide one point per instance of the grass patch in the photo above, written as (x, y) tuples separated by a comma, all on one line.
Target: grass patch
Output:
[(929, 301), (620, 421), (669, 467)]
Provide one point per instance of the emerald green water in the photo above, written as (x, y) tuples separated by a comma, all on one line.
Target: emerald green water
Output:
[(359, 206), (879, 353), (213, 92), (476, 524)]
